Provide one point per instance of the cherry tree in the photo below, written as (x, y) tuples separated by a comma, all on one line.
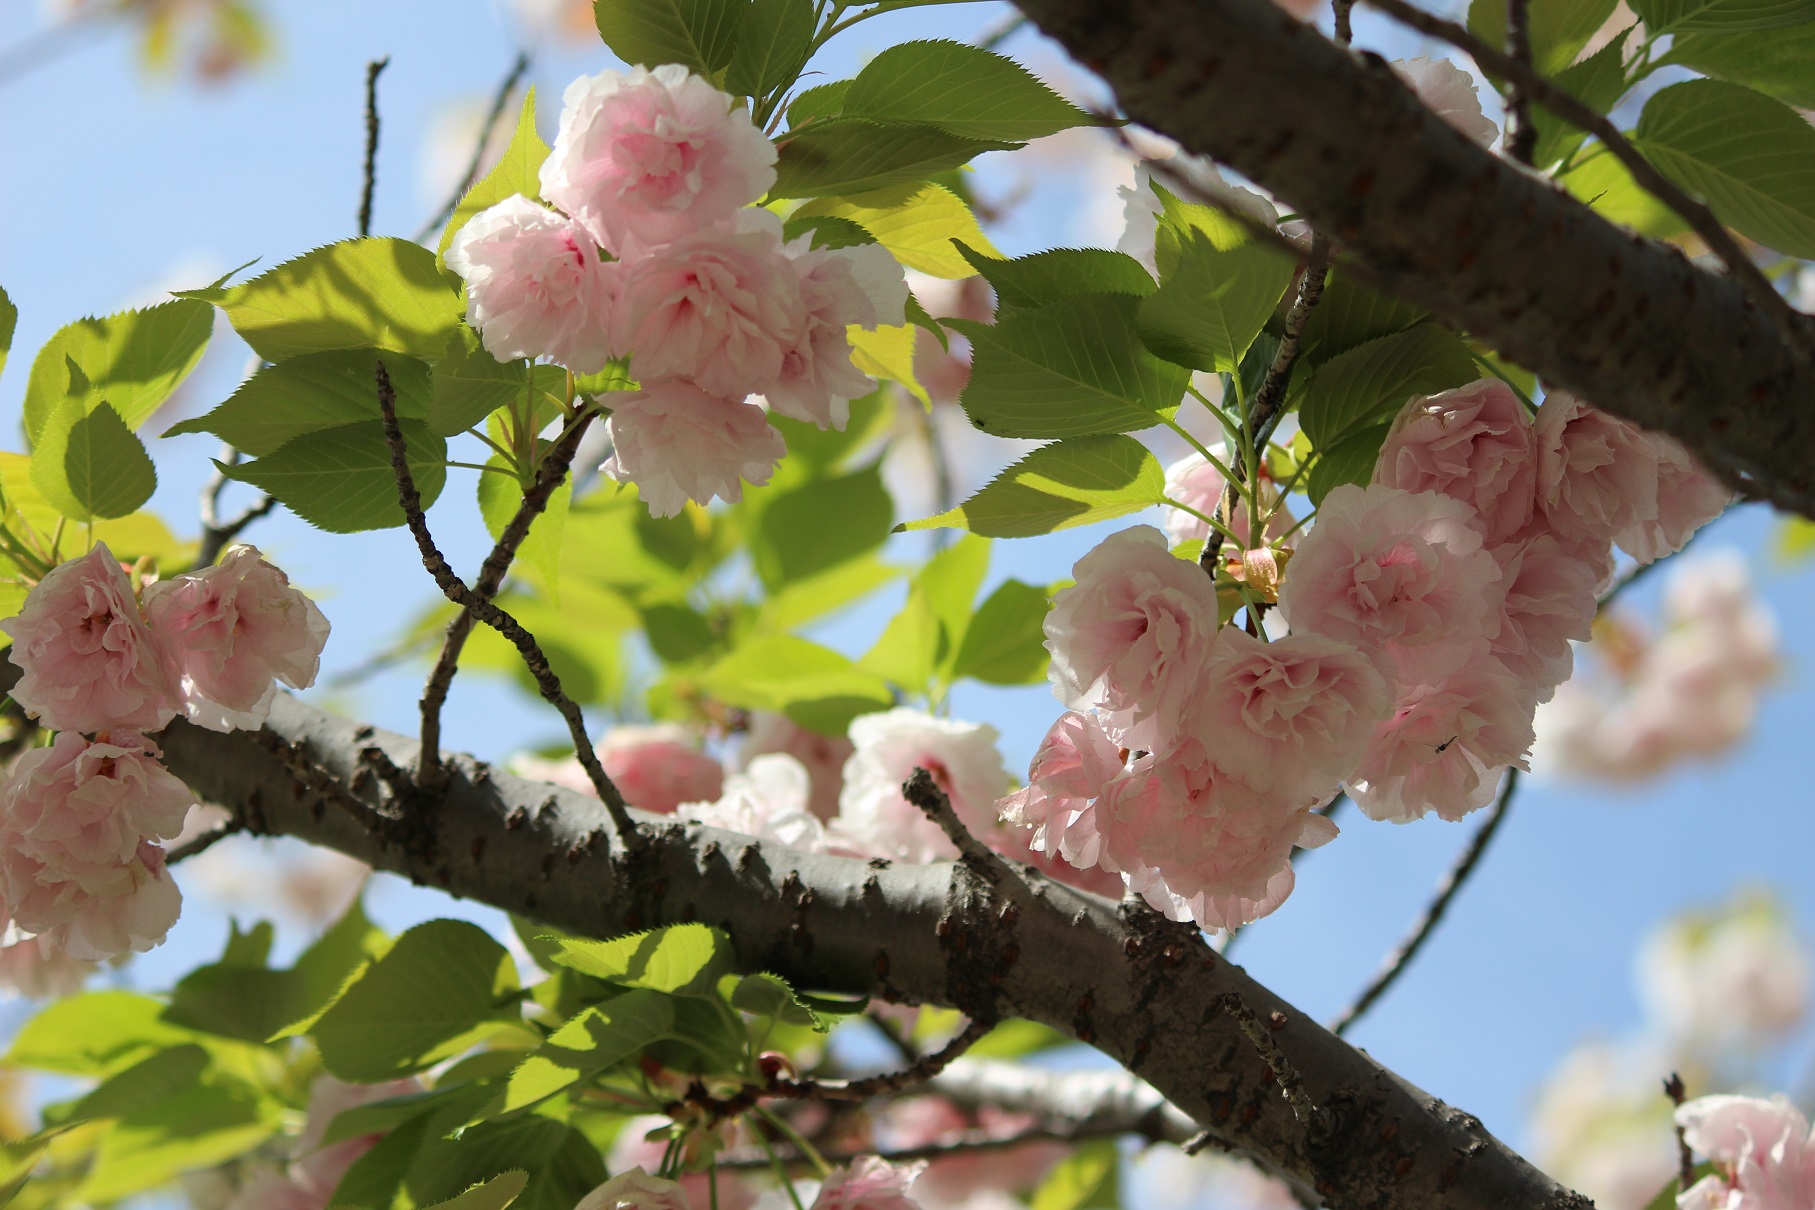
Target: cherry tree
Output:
[(1447, 390)]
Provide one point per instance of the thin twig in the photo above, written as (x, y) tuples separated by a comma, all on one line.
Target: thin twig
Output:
[(1406, 950), (1345, 30), (1521, 135), (547, 682), (922, 791), (1291, 1084), (508, 85), (216, 535), (201, 844), (922, 1070), (894, 1037), (1702, 220), (967, 1143), (373, 69), (491, 578), (1685, 1158)]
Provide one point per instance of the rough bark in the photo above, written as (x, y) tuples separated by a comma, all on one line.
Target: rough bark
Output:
[(1627, 323), (1143, 991)]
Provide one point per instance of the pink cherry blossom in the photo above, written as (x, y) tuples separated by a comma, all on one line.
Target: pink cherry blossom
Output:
[(873, 817), (952, 1180), (1474, 444), (869, 1183), (38, 970), (1762, 1152), (1597, 474), (1688, 497), (316, 1171), (106, 912), (823, 756), (768, 800), (839, 288), (658, 769), (229, 632), (1550, 601), (721, 308), (89, 660), (1132, 635), (1446, 745), (1194, 481), (648, 156), (1399, 575), (678, 443), (636, 1190), (1073, 764), (1291, 718), (535, 286), (1449, 92), (633, 1148)]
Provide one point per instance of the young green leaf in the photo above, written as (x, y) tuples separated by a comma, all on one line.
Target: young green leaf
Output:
[(683, 959), (917, 222), (341, 480), (598, 1039), (309, 394), (824, 522), (1751, 157), (9, 321), (198, 1126), (1370, 383), (1350, 460), (766, 995), (1033, 281), (470, 384), (1352, 313), (1598, 82), (95, 1034), (1005, 643), (959, 88), (134, 360), (1777, 62), (921, 641), (1608, 188), (1084, 1180), (90, 465), (700, 35), (1058, 486), (515, 172), (847, 155), (1071, 369), (772, 46), (1214, 302), (381, 293), (500, 495), (1559, 29), (815, 686), (495, 1194), (1695, 16), (820, 101)]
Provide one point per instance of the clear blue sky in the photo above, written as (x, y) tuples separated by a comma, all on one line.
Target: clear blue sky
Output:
[(116, 184)]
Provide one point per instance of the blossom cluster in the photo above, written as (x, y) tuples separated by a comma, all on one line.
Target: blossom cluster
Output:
[(868, 1183), (1762, 1151), (81, 867), (1429, 612), (652, 251)]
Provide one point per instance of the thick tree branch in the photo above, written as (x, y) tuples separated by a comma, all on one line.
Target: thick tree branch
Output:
[(1145, 992), (1625, 322)]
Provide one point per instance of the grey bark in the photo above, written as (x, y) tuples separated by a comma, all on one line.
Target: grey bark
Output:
[(1143, 991), (1627, 323)]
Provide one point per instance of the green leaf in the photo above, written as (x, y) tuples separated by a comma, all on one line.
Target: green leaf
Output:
[(1779, 62), (1370, 383), (1071, 369), (1752, 158), (341, 480), (1598, 82), (959, 88), (1081, 1180), (917, 222), (815, 596), (381, 293), (683, 959), (309, 394), (517, 171), (1352, 313), (1058, 486), (9, 321), (144, 1085), (1608, 188), (1214, 302), (820, 101), (1350, 460), (698, 34), (442, 986), (133, 360), (1695, 16), (90, 465), (772, 46), (562, 1164), (1005, 643), (766, 995), (198, 1125), (1034, 281), (495, 1194), (94, 1034), (500, 496), (1559, 29), (812, 684), (846, 155), (819, 525), (921, 641), (598, 1039)]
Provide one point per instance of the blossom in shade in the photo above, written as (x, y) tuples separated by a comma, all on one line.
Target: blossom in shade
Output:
[(1399, 575), (678, 443), (823, 756), (317, 1168), (1688, 497), (231, 631), (1597, 474), (869, 1183), (861, 286), (647, 156), (768, 800), (1474, 444), (1291, 718), (535, 285), (657, 768), (1446, 745), (1449, 92), (635, 1189), (1550, 602), (1763, 1156), (89, 660), (873, 817), (721, 308), (1132, 635)]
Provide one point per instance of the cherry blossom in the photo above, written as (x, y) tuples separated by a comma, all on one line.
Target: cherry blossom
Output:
[(1763, 1155), (873, 817), (1449, 92), (823, 756), (648, 156), (1073, 764), (862, 286), (1688, 497), (869, 1183), (1550, 602), (635, 1189), (678, 443), (658, 768), (768, 800), (1597, 474), (1474, 444), (1736, 977), (39, 970), (1194, 481)]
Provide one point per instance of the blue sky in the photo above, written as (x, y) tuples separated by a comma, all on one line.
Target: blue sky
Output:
[(117, 184)]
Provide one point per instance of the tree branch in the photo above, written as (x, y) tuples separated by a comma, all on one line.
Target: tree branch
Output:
[(922, 1070), (1521, 135), (216, 534), (369, 177), (1623, 321), (506, 86)]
